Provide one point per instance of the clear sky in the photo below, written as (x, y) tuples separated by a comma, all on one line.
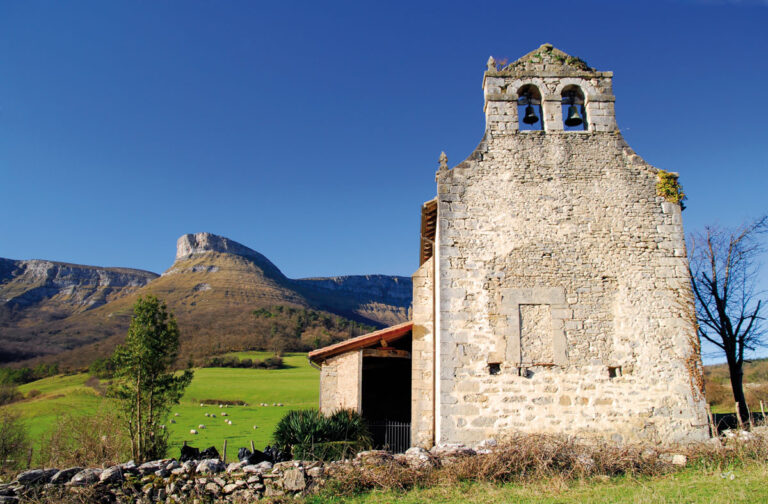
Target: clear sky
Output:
[(310, 131)]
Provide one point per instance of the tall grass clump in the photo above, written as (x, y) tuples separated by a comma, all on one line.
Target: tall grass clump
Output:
[(14, 442), (85, 440), (310, 435)]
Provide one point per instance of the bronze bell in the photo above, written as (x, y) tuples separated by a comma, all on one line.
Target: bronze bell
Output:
[(530, 116), (574, 119)]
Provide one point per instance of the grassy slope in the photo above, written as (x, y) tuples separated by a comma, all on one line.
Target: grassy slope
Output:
[(295, 387), (692, 485)]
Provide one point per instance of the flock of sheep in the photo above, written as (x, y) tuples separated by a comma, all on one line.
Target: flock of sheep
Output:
[(223, 414)]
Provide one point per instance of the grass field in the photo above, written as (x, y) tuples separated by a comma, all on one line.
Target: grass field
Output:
[(692, 485), (296, 387)]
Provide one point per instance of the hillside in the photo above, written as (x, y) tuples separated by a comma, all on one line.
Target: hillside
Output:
[(35, 293), (213, 288)]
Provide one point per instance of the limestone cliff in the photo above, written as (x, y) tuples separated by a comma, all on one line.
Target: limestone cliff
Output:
[(70, 287)]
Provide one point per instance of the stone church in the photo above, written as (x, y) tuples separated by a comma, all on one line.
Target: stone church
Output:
[(553, 293)]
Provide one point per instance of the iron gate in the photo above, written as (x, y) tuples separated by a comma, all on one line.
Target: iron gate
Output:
[(389, 435)]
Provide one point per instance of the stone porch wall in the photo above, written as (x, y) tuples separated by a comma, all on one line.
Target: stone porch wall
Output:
[(341, 382)]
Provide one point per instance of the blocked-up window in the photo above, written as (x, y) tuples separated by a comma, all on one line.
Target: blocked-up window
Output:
[(536, 334)]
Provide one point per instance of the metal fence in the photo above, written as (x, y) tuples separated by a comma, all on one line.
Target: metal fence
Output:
[(389, 435)]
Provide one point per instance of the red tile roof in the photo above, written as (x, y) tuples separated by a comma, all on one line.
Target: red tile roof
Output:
[(388, 334)]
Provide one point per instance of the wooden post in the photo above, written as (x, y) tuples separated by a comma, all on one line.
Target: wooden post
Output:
[(185, 444), (738, 417), (253, 450), (749, 417), (711, 420), (224, 454), (762, 412)]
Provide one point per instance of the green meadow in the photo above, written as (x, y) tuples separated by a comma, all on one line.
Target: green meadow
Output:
[(296, 387)]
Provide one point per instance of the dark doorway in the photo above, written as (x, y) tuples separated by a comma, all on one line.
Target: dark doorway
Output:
[(386, 397)]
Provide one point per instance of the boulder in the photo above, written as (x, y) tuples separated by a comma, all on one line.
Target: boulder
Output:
[(450, 453), (65, 475), (152, 467), (293, 480), (112, 475), (33, 476), (373, 457), (211, 466), (419, 458), (86, 477)]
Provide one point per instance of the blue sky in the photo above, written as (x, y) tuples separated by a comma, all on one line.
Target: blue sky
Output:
[(310, 131)]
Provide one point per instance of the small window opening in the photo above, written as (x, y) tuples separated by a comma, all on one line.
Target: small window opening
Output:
[(614, 371), (494, 368), (574, 113), (529, 116)]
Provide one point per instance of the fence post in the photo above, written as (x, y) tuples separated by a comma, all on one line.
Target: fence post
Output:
[(253, 449), (749, 416), (224, 454), (762, 411), (738, 417), (711, 421)]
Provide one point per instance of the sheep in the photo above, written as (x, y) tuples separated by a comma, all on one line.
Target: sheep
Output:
[(175, 414), (255, 427), (225, 414), (193, 431), (201, 426), (173, 421)]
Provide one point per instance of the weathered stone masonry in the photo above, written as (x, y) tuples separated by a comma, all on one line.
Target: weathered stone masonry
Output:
[(559, 263)]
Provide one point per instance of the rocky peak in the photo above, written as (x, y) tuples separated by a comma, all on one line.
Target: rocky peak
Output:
[(189, 245), (200, 243)]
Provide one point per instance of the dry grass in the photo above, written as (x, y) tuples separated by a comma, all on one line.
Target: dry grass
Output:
[(85, 440), (559, 459)]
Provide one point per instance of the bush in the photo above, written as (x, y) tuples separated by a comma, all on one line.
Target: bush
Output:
[(85, 440), (14, 441), (9, 393), (309, 434)]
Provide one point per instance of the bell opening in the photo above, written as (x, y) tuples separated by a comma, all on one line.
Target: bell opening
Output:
[(529, 108), (574, 113)]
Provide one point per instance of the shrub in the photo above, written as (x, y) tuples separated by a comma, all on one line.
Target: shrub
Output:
[(309, 434), (9, 393), (14, 441), (85, 440)]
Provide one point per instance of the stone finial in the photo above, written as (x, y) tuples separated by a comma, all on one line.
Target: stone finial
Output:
[(443, 161), (491, 63)]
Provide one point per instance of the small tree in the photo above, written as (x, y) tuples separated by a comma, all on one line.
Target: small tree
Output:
[(724, 271), (146, 385)]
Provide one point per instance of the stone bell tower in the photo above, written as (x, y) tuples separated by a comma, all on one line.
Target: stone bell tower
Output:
[(546, 78), (562, 297)]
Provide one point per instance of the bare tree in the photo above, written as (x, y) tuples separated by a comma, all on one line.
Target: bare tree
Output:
[(724, 266)]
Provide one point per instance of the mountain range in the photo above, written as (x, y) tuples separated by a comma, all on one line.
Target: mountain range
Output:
[(218, 289)]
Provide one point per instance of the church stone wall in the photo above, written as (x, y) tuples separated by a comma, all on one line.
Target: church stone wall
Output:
[(564, 295), (422, 357)]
